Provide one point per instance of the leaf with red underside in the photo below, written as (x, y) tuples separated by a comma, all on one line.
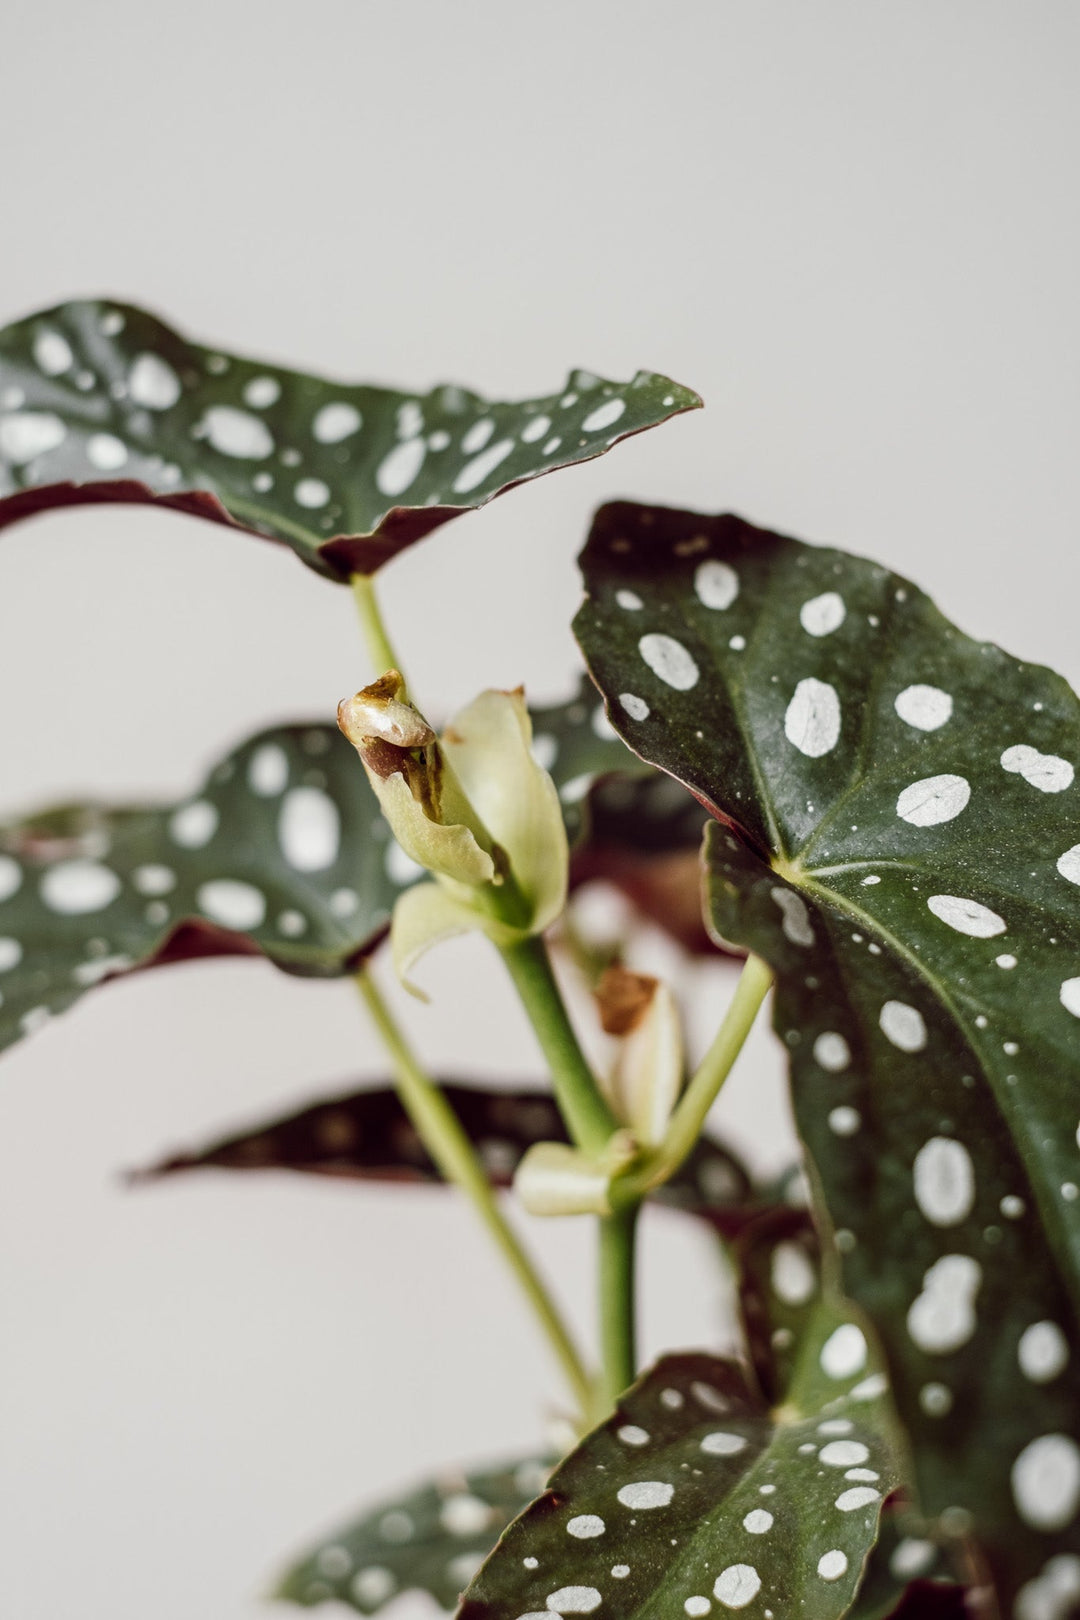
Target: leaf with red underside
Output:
[(282, 851), (100, 401), (367, 1135)]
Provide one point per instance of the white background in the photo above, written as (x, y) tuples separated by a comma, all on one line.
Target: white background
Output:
[(853, 228)]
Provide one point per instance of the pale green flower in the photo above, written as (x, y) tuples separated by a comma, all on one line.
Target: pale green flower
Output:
[(473, 807)]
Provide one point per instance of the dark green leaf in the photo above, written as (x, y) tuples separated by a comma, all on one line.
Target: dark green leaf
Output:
[(281, 851), (431, 1540), (901, 845), (103, 402), (694, 1493), (367, 1135)]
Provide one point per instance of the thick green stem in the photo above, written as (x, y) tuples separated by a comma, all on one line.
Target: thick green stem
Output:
[(378, 642), (441, 1133), (618, 1325), (690, 1114), (588, 1117)]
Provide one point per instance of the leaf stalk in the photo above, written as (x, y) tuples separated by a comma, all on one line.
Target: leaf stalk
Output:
[(588, 1117), (688, 1119), (441, 1132), (618, 1316), (379, 646)]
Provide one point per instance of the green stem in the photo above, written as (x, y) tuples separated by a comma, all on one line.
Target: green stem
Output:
[(441, 1133), (588, 1117), (618, 1327), (690, 1114), (378, 642)]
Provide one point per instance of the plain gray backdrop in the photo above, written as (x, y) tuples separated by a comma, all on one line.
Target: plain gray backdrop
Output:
[(853, 228)]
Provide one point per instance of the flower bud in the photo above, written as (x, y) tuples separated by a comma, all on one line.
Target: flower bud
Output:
[(647, 1077), (473, 807), (556, 1179)]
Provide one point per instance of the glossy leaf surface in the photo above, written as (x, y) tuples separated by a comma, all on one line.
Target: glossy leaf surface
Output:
[(367, 1135), (104, 402), (432, 1540), (903, 846), (696, 1493)]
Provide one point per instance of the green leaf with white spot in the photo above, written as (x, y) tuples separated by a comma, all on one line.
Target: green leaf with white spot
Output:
[(281, 851), (899, 836), (100, 401), (367, 1135), (432, 1540), (697, 1496)]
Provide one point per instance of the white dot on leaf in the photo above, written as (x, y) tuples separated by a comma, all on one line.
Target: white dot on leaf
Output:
[(966, 916), (231, 903), (942, 1317), (1046, 772), (737, 1586), (670, 660), (604, 416), (646, 1493), (844, 1352), (823, 614), (74, 888), (1069, 995), (1046, 1482), (933, 800), (832, 1052), (574, 1600), (482, 466), (585, 1526), (1043, 1352), (311, 493), (397, 470), (153, 383), (236, 433), (812, 719), (944, 1180), (927, 708), (903, 1026), (716, 584), (335, 421), (832, 1565)]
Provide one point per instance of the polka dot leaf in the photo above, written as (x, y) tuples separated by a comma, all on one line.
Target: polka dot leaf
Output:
[(898, 833), (367, 1135), (103, 402), (697, 1497), (281, 851), (432, 1540)]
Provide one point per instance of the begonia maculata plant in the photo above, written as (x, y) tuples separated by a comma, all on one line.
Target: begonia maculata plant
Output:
[(785, 756)]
